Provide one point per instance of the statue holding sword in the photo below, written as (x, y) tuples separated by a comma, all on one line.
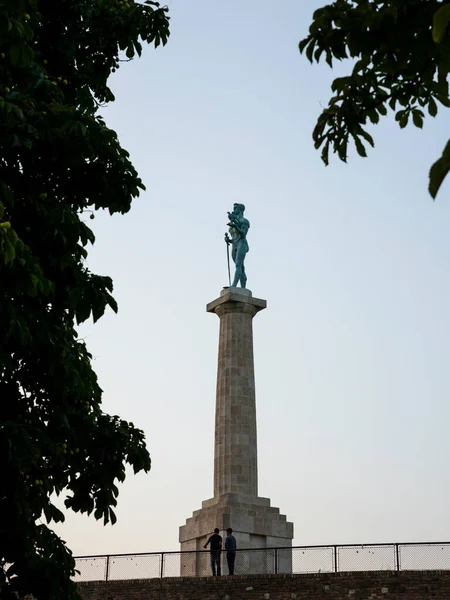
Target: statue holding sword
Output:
[(238, 229)]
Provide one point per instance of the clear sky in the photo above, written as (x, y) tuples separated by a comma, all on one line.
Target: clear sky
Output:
[(352, 352)]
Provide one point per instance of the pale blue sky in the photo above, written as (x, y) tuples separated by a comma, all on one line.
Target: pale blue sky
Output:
[(352, 352)]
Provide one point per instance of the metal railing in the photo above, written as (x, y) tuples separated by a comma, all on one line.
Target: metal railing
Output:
[(298, 559)]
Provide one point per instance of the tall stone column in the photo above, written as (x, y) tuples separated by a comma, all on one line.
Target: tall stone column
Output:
[(235, 451), (236, 503)]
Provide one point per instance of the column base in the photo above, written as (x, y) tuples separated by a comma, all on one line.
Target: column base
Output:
[(255, 524)]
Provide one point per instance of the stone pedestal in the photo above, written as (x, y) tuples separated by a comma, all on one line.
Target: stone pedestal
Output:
[(236, 503)]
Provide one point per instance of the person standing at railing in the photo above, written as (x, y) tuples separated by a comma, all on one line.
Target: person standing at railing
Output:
[(230, 547), (215, 547)]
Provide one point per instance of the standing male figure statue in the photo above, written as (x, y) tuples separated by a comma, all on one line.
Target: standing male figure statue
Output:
[(238, 228)]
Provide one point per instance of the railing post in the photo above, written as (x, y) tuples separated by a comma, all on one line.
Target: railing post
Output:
[(397, 557), (107, 568), (162, 565), (335, 559), (276, 561)]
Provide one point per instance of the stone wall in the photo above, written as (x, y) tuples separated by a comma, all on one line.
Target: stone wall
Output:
[(375, 585)]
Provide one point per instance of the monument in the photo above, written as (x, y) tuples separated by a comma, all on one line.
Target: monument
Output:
[(236, 504)]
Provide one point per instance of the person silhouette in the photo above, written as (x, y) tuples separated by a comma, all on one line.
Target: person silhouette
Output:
[(215, 546)]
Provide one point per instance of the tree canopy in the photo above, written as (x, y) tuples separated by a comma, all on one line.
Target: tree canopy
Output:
[(401, 55), (59, 162)]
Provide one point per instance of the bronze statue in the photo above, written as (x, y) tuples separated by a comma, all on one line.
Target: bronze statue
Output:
[(238, 229)]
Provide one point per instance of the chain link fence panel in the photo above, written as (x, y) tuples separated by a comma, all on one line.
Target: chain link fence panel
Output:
[(91, 568), (261, 561), (424, 557), (147, 566), (311, 560), (366, 558)]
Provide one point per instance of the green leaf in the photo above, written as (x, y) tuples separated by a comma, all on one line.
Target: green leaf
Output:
[(432, 107), (17, 111), (373, 115), (86, 234), (20, 54), (98, 310), (309, 50), (403, 121), (5, 194), (367, 137), (441, 20), (439, 171), (302, 44), (417, 118), (443, 100), (341, 150), (360, 147), (393, 103), (325, 153), (112, 303), (317, 54), (34, 285), (340, 83), (98, 513), (82, 311), (112, 516), (361, 64), (57, 515), (9, 252)]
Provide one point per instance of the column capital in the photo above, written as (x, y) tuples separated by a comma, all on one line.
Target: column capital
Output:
[(236, 300)]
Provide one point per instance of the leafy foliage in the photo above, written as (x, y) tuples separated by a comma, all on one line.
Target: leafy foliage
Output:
[(401, 52), (58, 163)]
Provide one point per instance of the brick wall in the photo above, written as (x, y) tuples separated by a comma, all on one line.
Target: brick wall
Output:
[(375, 585)]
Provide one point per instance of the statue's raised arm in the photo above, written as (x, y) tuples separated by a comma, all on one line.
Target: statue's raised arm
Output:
[(238, 229)]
